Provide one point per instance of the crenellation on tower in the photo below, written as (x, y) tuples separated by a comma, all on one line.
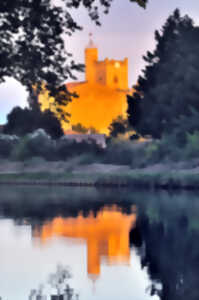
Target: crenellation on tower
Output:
[(109, 72), (91, 57)]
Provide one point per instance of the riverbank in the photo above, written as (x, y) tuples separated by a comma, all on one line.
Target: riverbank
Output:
[(153, 177)]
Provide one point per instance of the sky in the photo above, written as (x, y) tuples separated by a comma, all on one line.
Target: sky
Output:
[(127, 31)]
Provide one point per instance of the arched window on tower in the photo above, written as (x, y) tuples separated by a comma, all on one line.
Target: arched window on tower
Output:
[(115, 80)]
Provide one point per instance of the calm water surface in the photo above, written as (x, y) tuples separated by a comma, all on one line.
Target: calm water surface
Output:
[(116, 244)]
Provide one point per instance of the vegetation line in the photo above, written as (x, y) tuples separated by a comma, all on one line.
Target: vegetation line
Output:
[(144, 180)]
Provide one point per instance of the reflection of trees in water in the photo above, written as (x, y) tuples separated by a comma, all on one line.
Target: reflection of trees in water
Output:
[(40, 204), (165, 236), (59, 282), (171, 254)]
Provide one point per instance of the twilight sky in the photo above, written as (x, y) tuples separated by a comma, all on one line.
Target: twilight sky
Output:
[(127, 31)]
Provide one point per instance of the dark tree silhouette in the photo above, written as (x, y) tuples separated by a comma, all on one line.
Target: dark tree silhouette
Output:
[(141, 2), (118, 126), (79, 128), (166, 96), (82, 129), (32, 44), (22, 121), (171, 257)]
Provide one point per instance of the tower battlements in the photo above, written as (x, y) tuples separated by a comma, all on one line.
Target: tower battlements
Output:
[(109, 72)]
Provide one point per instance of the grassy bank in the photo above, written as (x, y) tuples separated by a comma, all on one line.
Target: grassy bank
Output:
[(138, 179), (153, 164)]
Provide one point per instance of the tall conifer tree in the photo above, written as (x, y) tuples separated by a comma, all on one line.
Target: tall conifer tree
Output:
[(168, 90)]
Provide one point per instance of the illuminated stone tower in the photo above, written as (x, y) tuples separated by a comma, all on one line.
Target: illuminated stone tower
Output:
[(112, 73), (102, 96), (91, 58)]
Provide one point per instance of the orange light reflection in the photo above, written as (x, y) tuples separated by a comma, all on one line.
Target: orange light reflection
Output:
[(106, 235)]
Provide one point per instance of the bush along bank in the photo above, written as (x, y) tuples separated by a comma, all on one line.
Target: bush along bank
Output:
[(167, 163), (168, 150), (169, 180)]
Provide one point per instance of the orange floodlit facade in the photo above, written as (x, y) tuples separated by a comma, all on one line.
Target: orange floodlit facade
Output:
[(102, 96), (106, 236)]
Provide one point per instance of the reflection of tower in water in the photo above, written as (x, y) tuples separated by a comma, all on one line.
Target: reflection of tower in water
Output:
[(106, 236)]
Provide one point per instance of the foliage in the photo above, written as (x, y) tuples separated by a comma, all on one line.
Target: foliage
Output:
[(32, 42), (7, 144), (124, 153), (40, 144), (166, 151), (170, 149), (22, 121), (141, 2), (134, 137), (118, 126), (21, 151), (166, 97), (192, 145), (172, 236), (59, 279), (79, 128), (186, 124), (67, 148), (82, 129), (59, 282), (92, 130), (152, 152), (37, 144)]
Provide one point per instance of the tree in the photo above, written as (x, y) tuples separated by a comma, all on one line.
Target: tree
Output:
[(167, 93), (23, 121), (79, 128), (59, 279), (141, 2), (118, 126), (82, 129), (92, 130), (171, 265), (59, 282), (32, 44)]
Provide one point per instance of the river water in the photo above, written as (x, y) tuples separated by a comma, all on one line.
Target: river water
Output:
[(116, 244)]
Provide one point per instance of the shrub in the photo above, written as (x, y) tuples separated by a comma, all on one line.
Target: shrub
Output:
[(23, 121), (192, 145), (7, 144), (177, 149), (168, 148), (40, 144), (152, 152), (124, 153), (67, 148), (21, 151), (118, 152), (35, 160), (36, 144), (134, 137)]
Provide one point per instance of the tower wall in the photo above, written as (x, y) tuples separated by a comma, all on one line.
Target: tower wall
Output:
[(100, 68), (117, 74), (91, 57)]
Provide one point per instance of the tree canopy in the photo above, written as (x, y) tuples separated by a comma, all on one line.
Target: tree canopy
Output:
[(32, 44), (23, 121), (118, 126), (166, 95), (84, 130)]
